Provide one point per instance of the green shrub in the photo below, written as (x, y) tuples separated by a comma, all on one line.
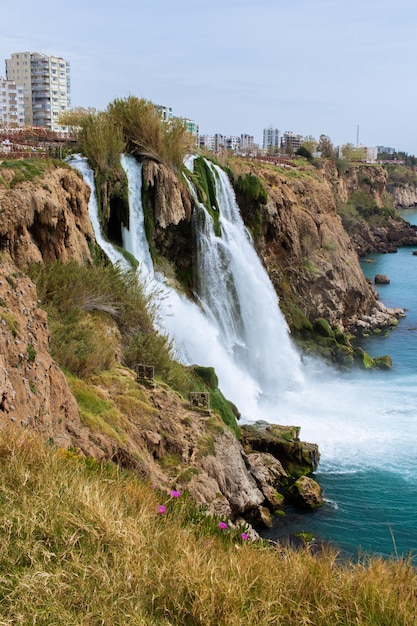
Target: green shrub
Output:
[(252, 189), (147, 135), (31, 353), (322, 327), (10, 321), (85, 304), (205, 185)]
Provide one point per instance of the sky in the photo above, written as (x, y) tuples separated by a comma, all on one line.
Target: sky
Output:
[(343, 68)]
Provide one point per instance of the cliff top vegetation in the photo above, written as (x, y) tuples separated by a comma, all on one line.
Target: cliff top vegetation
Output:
[(132, 124)]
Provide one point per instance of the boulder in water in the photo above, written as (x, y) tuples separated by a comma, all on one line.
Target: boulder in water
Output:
[(307, 493), (381, 279)]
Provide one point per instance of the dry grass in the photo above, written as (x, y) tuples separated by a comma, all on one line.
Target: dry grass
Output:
[(83, 544)]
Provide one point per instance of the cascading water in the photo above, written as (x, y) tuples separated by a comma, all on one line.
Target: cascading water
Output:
[(197, 339), (236, 292), (134, 237), (81, 165), (365, 423)]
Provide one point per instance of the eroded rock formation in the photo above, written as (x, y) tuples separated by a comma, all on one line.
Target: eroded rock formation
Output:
[(307, 251), (46, 219)]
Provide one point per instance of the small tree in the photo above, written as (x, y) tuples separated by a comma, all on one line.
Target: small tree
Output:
[(309, 144), (352, 153), (304, 152), (325, 146)]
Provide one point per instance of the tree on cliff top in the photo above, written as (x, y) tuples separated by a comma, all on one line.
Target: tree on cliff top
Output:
[(325, 146)]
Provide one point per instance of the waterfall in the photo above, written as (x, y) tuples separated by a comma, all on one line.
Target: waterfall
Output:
[(239, 328), (257, 367), (235, 290), (134, 237), (364, 423), (81, 165)]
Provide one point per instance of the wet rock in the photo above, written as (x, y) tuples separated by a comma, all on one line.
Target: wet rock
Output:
[(306, 493), (298, 458)]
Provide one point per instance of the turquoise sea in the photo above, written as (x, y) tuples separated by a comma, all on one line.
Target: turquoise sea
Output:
[(368, 469)]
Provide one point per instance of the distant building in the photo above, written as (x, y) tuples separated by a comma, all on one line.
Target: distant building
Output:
[(46, 87), (232, 143), (206, 142), (385, 150), (290, 142), (271, 138), (192, 127), (166, 112), (372, 154), (12, 114), (219, 142), (235, 143), (247, 143)]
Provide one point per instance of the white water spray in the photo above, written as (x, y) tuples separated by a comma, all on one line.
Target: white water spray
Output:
[(236, 292), (134, 238)]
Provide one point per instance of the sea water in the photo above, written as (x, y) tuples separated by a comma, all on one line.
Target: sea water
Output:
[(367, 434)]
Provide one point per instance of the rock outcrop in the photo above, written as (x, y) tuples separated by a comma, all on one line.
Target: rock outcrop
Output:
[(405, 196), (46, 219), (34, 392), (282, 464)]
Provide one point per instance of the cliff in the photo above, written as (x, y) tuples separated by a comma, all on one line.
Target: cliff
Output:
[(367, 197), (44, 217), (110, 415), (309, 256)]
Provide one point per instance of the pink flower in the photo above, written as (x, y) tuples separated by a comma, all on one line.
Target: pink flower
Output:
[(162, 509), (222, 525), (175, 494), (244, 536)]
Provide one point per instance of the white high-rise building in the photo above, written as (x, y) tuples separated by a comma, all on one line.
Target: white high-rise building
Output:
[(11, 104), (271, 138), (46, 86)]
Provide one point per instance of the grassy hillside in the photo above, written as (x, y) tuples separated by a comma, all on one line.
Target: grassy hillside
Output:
[(84, 543)]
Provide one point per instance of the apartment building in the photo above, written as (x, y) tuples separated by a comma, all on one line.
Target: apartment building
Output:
[(234, 143), (271, 138), (290, 142), (247, 142), (46, 87), (11, 104), (165, 112)]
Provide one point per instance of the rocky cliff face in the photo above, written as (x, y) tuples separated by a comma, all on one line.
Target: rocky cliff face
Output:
[(372, 182), (158, 435), (405, 196), (45, 219), (307, 251)]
